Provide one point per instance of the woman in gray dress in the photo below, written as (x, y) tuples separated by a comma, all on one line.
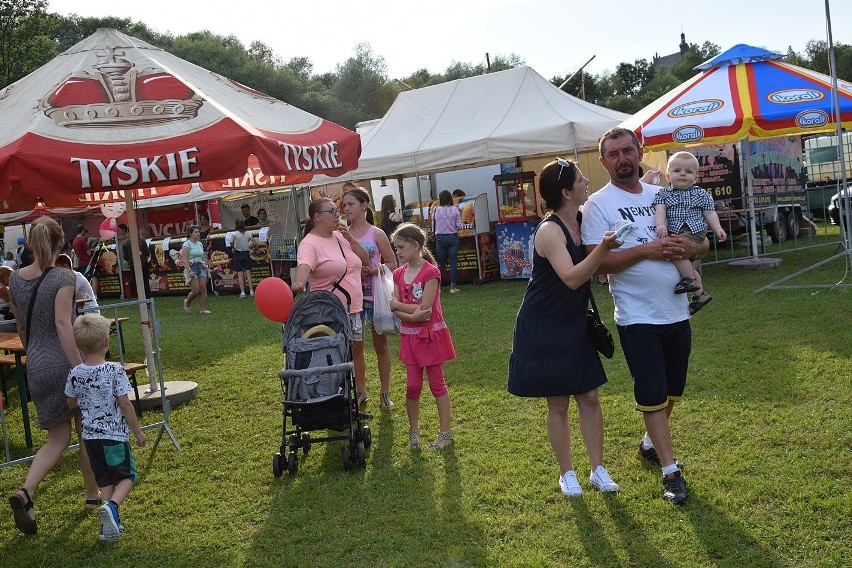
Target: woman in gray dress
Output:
[(51, 353)]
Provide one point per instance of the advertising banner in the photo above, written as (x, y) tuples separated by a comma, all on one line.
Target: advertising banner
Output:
[(515, 249)]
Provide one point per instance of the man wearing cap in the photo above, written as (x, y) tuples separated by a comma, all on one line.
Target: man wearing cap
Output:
[(23, 254)]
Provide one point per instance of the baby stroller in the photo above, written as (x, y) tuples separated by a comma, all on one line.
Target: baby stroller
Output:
[(317, 383)]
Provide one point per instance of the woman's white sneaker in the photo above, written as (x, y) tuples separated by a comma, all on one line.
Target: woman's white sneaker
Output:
[(569, 485), (601, 480)]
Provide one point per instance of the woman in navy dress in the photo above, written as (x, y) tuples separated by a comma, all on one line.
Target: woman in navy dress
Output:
[(552, 353)]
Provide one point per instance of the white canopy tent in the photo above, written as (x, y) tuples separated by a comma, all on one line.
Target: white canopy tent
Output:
[(479, 121)]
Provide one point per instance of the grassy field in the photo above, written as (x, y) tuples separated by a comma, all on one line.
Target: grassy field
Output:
[(763, 429)]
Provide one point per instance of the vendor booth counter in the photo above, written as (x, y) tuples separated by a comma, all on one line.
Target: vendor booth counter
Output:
[(517, 207), (477, 257), (167, 278)]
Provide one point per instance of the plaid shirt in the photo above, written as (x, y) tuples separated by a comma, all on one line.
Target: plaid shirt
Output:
[(685, 207), (446, 219)]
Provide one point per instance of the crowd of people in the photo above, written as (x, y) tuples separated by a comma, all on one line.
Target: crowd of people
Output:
[(553, 356)]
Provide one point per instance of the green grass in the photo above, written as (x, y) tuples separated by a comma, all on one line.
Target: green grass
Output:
[(763, 429)]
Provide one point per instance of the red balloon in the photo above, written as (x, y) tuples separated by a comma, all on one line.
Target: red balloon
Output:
[(274, 299)]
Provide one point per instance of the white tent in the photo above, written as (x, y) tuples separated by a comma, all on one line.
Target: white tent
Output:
[(478, 121)]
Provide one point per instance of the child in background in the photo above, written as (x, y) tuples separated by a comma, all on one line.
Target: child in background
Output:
[(425, 341), (685, 209), (99, 388)]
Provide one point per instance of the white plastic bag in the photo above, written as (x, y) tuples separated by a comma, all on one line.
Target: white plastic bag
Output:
[(384, 322)]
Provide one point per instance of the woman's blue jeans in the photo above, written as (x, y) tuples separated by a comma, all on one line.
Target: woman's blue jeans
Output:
[(447, 246)]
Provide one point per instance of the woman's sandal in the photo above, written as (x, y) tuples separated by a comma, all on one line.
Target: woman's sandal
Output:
[(414, 438), (21, 511), (699, 302), (386, 400), (361, 398), (686, 285), (444, 440)]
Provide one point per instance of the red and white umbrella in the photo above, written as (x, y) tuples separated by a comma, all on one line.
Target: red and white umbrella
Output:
[(114, 113)]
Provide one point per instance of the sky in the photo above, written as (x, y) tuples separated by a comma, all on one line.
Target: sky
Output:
[(556, 38)]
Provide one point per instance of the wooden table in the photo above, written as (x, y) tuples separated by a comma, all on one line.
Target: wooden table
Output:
[(11, 342)]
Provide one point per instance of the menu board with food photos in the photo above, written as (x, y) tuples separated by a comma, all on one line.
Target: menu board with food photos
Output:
[(167, 274)]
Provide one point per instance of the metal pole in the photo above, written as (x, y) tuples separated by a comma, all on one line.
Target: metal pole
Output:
[(752, 222), (845, 202)]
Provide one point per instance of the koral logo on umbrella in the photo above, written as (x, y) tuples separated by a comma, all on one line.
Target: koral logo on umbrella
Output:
[(688, 133), (811, 119), (789, 96), (118, 95), (696, 107)]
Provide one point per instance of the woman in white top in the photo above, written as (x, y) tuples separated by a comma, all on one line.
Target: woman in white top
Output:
[(241, 243), (82, 288)]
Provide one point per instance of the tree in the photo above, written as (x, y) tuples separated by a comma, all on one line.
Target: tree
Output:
[(361, 88), (25, 43)]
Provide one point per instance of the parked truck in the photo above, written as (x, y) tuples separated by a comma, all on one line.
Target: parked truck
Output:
[(825, 174)]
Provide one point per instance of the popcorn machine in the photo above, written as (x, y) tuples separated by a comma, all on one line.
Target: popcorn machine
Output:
[(516, 197)]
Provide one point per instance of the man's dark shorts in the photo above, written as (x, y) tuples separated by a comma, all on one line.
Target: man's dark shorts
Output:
[(112, 461), (658, 358)]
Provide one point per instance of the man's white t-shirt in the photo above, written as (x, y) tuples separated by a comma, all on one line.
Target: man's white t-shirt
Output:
[(644, 292)]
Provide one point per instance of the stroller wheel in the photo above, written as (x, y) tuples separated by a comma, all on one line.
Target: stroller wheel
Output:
[(277, 465), (306, 442), (293, 441), (347, 463), (362, 461), (293, 463), (368, 437)]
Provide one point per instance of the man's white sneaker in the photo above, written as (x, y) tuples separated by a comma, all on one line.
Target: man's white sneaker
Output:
[(601, 480), (569, 485)]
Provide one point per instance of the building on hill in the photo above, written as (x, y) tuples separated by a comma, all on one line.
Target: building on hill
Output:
[(673, 59)]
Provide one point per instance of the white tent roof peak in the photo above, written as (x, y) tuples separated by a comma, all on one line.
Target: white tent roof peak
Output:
[(477, 121)]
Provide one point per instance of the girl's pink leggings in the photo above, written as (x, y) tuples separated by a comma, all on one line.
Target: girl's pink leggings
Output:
[(414, 381)]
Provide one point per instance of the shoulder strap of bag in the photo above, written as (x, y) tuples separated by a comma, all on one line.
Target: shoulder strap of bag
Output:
[(588, 284), (345, 270), (32, 302)]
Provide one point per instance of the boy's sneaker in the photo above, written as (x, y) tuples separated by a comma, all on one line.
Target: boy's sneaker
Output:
[(243, 295), (674, 488), (111, 528), (650, 454), (120, 530), (569, 485), (601, 480)]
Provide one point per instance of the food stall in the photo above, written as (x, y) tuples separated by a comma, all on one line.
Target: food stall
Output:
[(167, 277), (518, 217), (477, 256)]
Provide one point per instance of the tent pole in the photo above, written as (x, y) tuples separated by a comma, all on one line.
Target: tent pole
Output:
[(752, 223), (140, 291)]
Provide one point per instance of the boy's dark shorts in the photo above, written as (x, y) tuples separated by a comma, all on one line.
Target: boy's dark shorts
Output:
[(112, 461), (658, 358)]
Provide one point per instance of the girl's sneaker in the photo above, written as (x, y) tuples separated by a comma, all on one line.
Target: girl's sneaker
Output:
[(444, 440), (414, 438)]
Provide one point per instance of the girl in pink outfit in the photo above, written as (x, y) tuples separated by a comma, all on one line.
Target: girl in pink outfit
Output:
[(425, 341)]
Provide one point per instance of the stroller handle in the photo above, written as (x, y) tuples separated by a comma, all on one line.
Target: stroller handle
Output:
[(331, 369)]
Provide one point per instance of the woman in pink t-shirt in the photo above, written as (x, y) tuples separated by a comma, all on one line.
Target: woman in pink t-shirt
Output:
[(329, 255)]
